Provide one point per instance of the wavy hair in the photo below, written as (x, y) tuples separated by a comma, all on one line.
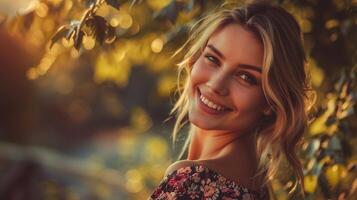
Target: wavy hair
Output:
[(284, 81)]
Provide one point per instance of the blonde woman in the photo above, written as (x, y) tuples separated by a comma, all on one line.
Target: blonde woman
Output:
[(246, 99)]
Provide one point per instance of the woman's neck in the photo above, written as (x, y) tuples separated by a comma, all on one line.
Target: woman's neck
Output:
[(211, 144), (232, 154)]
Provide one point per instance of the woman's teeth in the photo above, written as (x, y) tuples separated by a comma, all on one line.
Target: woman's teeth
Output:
[(211, 104)]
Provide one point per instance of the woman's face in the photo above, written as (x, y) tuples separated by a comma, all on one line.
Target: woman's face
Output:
[(225, 82)]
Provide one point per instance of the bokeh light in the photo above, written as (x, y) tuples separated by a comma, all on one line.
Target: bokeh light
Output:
[(86, 121)]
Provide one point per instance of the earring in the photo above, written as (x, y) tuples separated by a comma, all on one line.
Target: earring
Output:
[(267, 111)]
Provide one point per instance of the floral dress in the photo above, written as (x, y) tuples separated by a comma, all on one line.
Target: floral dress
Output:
[(200, 182)]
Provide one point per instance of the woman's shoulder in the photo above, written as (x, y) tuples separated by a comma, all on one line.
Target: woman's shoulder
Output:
[(180, 164)]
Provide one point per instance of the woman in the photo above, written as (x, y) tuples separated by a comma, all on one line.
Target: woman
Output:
[(246, 97)]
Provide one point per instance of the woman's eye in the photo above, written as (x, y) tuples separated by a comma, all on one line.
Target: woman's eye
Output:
[(248, 78), (212, 59)]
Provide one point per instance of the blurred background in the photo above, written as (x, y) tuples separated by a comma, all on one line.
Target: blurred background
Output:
[(86, 89)]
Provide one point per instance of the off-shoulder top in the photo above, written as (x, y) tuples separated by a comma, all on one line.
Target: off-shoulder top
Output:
[(200, 182)]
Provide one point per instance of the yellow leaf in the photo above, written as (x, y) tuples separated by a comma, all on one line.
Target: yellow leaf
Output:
[(157, 4), (319, 126), (318, 74), (335, 173), (310, 183)]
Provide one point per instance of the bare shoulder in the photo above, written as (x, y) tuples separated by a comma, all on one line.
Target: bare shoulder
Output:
[(178, 165)]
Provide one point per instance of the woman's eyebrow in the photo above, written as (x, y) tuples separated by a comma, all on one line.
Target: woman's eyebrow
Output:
[(216, 51), (246, 66)]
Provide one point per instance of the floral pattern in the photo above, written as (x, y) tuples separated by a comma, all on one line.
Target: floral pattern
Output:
[(200, 182)]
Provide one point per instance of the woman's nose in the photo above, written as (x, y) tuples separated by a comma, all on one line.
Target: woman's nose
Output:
[(218, 83)]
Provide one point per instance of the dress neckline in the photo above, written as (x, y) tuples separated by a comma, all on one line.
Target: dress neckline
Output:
[(234, 183)]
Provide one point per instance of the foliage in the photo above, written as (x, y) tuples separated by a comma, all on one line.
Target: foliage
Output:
[(91, 25), (104, 64), (329, 159)]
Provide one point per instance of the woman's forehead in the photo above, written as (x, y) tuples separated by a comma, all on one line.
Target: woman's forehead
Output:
[(238, 44)]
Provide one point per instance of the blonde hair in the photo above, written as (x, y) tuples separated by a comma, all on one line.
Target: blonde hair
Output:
[(284, 81)]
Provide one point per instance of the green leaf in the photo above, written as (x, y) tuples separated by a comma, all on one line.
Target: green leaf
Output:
[(335, 144), (113, 3), (317, 168), (60, 33), (313, 147)]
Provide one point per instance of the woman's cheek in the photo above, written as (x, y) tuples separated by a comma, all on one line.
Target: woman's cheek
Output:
[(199, 72), (247, 99)]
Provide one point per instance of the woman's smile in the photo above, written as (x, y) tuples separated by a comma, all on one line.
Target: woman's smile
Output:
[(210, 107)]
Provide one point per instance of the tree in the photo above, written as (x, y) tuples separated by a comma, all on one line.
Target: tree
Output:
[(103, 40)]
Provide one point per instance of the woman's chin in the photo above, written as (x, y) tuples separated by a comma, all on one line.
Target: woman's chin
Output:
[(201, 123)]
